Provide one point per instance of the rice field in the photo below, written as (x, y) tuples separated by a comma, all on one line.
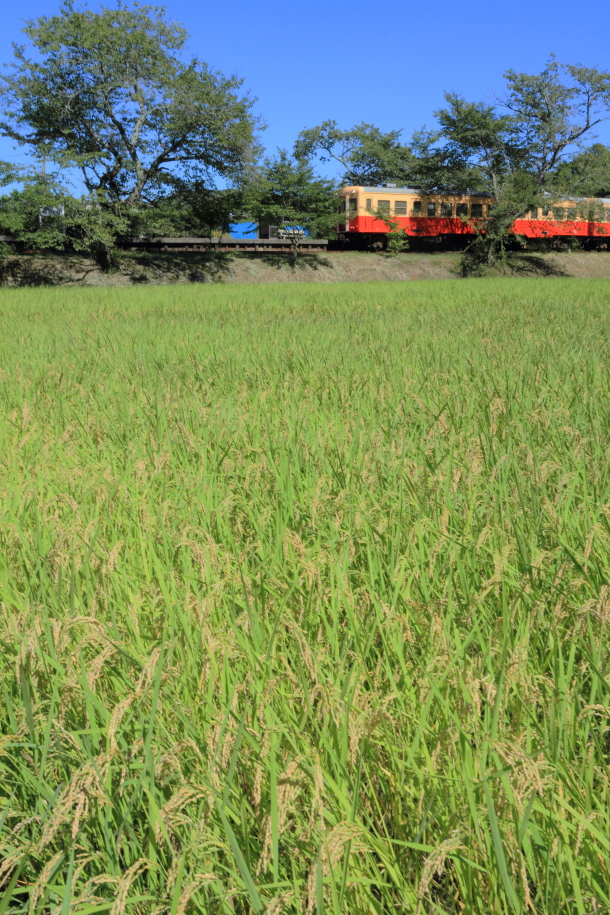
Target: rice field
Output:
[(305, 601)]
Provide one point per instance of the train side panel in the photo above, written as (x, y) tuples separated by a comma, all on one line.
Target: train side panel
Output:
[(423, 227), (416, 226), (547, 228)]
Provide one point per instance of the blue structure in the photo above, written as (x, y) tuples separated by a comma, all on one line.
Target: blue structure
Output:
[(244, 230)]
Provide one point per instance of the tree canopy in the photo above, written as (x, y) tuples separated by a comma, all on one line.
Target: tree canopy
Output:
[(520, 148), (45, 216), (109, 93), (367, 156), (288, 192), (539, 124), (588, 173)]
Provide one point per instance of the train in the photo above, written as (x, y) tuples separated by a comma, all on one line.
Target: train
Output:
[(454, 217)]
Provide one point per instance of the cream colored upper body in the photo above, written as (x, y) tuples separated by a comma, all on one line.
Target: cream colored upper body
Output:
[(403, 202)]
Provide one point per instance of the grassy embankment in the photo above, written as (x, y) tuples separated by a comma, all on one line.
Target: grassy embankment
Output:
[(305, 599), (141, 268)]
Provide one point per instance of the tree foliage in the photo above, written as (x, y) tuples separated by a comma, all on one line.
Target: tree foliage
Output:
[(109, 94), (191, 208), (43, 216), (588, 173), (367, 156), (397, 240), (287, 192), (517, 148)]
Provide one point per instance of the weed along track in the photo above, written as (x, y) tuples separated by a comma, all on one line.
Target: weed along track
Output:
[(304, 598)]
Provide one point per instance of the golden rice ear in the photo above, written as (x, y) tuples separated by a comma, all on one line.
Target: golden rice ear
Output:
[(277, 905), (332, 847), (119, 904), (191, 888)]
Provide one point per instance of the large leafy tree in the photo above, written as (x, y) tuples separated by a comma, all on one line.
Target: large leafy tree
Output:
[(109, 93), (287, 192), (365, 154), (516, 149)]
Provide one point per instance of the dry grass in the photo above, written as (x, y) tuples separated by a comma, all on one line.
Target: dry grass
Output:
[(305, 599)]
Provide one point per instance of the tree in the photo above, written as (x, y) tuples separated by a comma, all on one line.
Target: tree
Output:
[(517, 148), (588, 173), (288, 193), (109, 94), (191, 208), (8, 174), (43, 216), (366, 155), (396, 240)]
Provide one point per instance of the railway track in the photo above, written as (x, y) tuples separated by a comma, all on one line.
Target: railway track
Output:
[(271, 245), (169, 243)]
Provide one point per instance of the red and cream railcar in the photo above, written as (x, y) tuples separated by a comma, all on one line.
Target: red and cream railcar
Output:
[(447, 215)]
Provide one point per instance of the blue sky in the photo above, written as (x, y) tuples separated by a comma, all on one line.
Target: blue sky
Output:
[(386, 62)]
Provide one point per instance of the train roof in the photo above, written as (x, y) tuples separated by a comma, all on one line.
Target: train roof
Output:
[(469, 192), (418, 190), (395, 190), (580, 199)]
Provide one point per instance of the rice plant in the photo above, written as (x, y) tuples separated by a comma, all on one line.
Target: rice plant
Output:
[(305, 599)]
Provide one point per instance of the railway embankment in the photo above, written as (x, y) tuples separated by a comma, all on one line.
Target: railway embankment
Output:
[(329, 267)]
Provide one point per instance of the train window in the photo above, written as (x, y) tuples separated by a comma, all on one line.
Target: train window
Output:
[(447, 210), (383, 206), (558, 212), (431, 209), (417, 207), (572, 213), (533, 213), (546, 212), (353, 204), (476, 210), (607, 215), (369, 203), (461, 209), (400, 208)]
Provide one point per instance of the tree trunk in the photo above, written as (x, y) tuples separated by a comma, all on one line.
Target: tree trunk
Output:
[(104, 255)]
